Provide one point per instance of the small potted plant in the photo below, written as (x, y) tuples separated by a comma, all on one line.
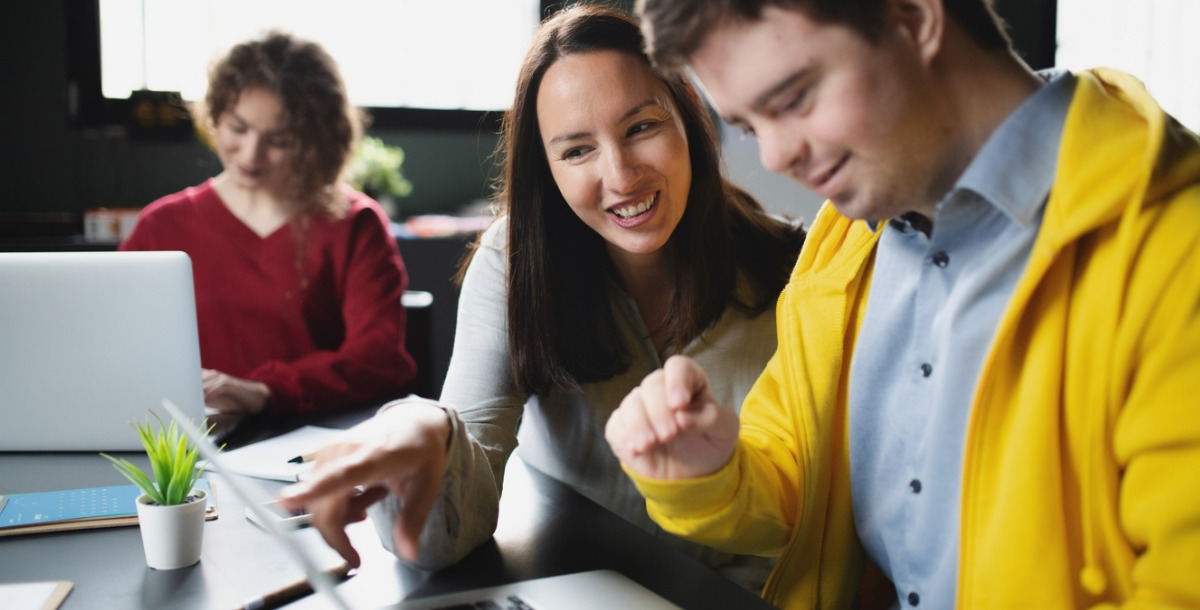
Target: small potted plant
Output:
[(170, 510), (376, 170)]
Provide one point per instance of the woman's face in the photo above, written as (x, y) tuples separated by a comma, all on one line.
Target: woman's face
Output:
[(616, 149), (254, 144)]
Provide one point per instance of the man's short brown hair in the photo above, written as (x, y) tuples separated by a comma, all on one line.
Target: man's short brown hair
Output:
[(674, 29)]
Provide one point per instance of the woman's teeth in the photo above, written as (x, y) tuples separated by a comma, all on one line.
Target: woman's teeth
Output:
[(634, 210)]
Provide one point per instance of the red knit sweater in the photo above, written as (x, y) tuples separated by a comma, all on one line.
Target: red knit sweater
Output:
[(322, 334)]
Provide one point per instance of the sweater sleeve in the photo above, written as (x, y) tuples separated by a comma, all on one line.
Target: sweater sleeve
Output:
[(1156, 436), (371, 363), (748, 506), (487, 409)]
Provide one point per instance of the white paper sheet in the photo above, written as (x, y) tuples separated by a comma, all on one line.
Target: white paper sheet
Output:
[(268, 459)]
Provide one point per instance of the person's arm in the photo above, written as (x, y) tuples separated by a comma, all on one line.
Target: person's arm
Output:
[(430, 481), (371, 362), (401, 451), (704, 477), (1156, 435), (488, 408)]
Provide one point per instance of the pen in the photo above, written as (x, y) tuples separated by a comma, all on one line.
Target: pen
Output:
[(294, 591), (300, 459)]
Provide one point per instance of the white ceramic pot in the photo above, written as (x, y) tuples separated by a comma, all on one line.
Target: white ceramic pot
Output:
[(171, 535)]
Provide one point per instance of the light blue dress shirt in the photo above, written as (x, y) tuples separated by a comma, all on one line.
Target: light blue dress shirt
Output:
[(933, 308)]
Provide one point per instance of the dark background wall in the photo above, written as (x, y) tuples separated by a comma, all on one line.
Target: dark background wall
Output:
[(49, 166), (51, 170)]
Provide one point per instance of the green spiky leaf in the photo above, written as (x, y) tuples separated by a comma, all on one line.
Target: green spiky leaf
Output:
[(172, 461)]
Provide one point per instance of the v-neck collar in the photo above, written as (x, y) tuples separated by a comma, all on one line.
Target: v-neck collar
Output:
[(240, 229)]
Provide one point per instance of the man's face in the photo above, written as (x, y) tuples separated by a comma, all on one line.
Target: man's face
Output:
[(854, 121)]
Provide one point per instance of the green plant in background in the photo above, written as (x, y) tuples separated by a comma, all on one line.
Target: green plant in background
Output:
[(375, 169), (171, 459)]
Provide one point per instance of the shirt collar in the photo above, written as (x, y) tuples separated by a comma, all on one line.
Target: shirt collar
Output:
[(1015, 169)]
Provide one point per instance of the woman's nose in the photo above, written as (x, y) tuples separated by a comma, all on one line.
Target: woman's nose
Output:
[(622, 171), (256, 147)]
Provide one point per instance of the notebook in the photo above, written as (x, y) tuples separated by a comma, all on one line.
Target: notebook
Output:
[(78, 509), (592, 590), (92, 341)]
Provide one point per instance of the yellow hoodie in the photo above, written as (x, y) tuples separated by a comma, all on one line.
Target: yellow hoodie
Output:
[(1081, 475)]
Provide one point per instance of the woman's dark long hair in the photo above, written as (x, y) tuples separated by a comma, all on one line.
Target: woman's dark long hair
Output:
[(561, 328)]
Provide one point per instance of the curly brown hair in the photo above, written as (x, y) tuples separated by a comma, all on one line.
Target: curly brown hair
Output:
[(323, 124)]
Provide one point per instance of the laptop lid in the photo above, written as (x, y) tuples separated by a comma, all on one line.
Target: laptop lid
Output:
[(91, 341)]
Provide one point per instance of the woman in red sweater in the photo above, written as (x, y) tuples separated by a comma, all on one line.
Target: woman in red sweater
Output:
[(298, 280)]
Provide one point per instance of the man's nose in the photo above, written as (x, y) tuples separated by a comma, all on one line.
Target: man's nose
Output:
[(781, 151)]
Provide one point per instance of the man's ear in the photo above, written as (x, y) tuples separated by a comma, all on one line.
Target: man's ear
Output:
[(923, 22)]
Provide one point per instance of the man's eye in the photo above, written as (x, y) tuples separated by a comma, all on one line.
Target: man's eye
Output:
[(794, 102)]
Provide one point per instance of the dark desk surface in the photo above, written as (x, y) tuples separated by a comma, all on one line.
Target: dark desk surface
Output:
[(545, 529)]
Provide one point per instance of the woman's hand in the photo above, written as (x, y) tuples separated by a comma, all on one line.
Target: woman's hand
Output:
[(402, 450), (671, 427), (233, 395)]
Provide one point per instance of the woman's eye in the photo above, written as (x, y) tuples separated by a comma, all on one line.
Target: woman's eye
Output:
[(574, 153), (643, 126)]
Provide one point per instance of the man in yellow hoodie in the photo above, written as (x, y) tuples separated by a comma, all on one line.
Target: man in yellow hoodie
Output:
[(985, 384)]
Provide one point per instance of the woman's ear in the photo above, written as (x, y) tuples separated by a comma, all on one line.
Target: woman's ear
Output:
[(923, 22)]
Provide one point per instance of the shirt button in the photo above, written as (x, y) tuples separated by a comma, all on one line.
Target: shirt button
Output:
[(913, 598), (915, 484), (941, 259), (926, 369)]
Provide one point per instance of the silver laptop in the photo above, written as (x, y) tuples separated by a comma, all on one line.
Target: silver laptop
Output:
[(594, 590), (91, 341)]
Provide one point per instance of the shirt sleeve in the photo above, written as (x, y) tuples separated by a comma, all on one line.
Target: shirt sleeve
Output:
[(486, 408)]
